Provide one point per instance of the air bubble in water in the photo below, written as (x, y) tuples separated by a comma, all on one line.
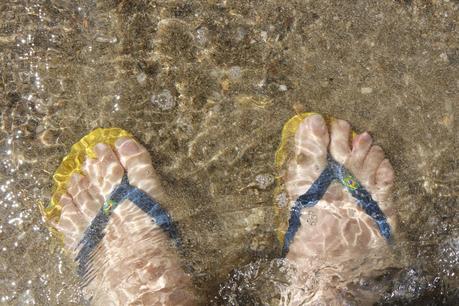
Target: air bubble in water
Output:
[(26, 298), (163, 100)]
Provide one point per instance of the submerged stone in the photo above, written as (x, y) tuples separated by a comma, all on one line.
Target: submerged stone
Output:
[(264, 180)]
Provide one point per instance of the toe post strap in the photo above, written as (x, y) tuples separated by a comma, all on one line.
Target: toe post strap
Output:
[(335, 171), (96, 230)]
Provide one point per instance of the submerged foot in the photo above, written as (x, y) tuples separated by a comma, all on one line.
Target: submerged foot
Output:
[(134, 262), (336, 234)]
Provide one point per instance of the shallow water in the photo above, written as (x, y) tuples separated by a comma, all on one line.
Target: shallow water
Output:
[(206, 87)]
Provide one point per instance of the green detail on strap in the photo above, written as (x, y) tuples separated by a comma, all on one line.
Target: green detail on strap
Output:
[(109, 205), (350, 182)]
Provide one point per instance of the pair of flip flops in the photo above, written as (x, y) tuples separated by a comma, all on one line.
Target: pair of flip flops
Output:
[(83, 149)]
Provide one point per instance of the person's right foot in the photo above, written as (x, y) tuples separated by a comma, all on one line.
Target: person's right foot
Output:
[(134, 263), (336, 231)]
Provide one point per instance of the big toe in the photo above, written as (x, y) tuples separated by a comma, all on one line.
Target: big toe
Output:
[(78, 189), (72, 222), (104, 172), (137, 162), (310, 155), (340, 149), (311, 140)]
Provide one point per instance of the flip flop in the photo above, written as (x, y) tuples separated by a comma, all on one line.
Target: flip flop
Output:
[(94, 233), (333, 171)]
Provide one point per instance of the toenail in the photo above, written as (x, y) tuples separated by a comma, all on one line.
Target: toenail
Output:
[(360, 139), (130, 147), (99, 148), (75, 177), (318, 123), (119, 142), (343, 123), (365, 137), (377, 149)]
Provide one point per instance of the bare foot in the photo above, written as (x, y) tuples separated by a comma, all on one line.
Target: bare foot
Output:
[(337, 240), (135, 263)]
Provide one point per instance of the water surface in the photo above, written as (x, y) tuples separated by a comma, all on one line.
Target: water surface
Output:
[(206, 86)]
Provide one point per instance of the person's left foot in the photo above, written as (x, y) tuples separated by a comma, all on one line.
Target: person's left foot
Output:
[(134, 263), (336, 233)]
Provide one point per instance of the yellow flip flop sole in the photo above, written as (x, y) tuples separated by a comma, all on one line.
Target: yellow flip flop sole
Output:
[(73, 162)]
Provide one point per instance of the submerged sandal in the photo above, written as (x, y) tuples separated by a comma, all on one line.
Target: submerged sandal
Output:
[(94, 233), (333, 171)]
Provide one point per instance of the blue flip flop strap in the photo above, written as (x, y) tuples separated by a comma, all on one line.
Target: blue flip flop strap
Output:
[(95, 232), (363, 197), (334, 171), (308, 199)]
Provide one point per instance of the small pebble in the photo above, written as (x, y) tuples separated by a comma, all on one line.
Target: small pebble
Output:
[(106, 39), (240, 34), (48, 137), (444, 57), (40, 128), (264, 180), (26, 298), (282, 87), (141, 77), (201, 35), (366, 90), (234, 72), (264, 35), (282, 200), (40, 106)]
